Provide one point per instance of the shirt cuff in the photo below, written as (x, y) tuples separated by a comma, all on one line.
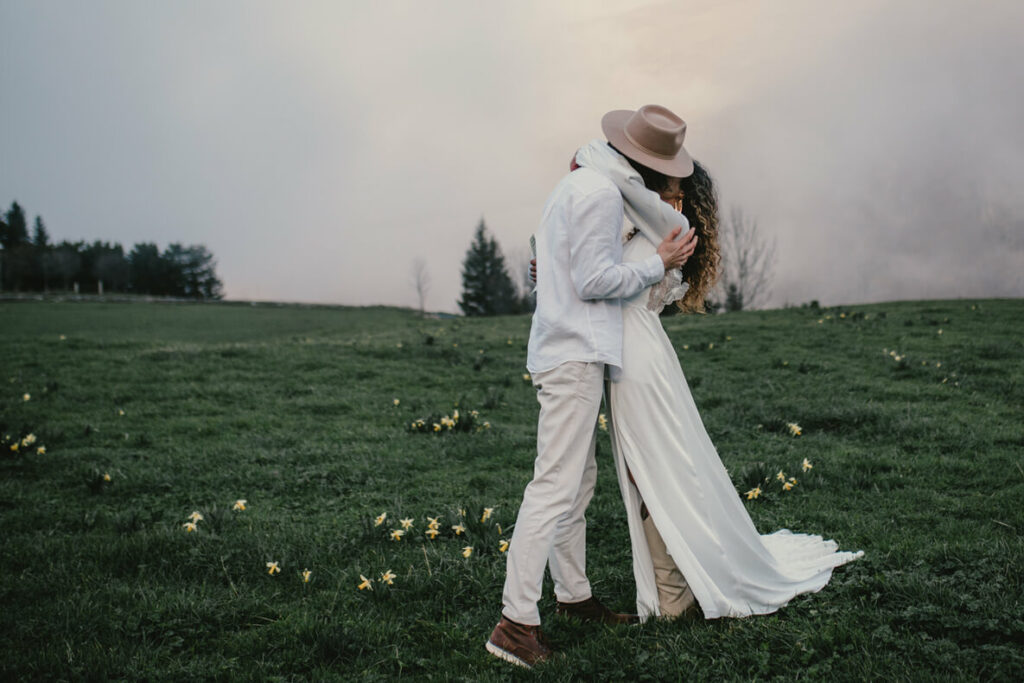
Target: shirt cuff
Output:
[(653, 268)]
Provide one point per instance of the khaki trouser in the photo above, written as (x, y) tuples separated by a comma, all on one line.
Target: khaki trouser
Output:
[(674, 595), (550, 528)]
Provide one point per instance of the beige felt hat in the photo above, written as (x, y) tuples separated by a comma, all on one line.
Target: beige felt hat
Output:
[(652, 136)]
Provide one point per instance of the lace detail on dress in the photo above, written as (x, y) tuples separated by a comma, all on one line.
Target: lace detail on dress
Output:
[(671, 288)]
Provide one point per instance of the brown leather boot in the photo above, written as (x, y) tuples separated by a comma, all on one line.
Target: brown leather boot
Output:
[(591, 609), (518, 643)]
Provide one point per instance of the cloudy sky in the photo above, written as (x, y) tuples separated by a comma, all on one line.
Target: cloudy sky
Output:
[(318, 148)]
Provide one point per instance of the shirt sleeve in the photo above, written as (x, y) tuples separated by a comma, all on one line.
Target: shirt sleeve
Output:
[(595, 250)]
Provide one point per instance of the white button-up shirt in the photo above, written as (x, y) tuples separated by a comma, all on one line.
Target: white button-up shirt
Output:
[(580, 275)]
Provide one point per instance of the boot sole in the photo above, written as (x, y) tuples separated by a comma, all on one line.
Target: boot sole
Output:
[(506, 655)]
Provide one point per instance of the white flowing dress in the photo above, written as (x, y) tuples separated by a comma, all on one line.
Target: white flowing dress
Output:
[(656, 431)]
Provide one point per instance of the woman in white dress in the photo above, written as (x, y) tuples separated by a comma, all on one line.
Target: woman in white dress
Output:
[(692, 539)]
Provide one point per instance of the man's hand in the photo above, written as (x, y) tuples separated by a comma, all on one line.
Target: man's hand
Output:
[(674, 254), (533, 270)]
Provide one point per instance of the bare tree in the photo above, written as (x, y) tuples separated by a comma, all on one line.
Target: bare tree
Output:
[(421, 282), (747, 262)]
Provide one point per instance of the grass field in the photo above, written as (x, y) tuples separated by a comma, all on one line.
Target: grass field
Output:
[(911, 414)]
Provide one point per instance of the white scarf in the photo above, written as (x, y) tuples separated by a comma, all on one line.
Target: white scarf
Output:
[(644, 208)]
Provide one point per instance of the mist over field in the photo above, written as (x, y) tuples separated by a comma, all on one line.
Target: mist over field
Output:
[(318, 149)]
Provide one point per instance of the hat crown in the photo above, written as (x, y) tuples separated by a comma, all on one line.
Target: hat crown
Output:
[(656, 130)]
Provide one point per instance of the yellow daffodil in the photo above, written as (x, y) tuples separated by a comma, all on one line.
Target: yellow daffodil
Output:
[(398, 345), (196, 516), (462, 512), (938, 365), (27, 397), (789, 484), (395, 402), (41, 450), (509, 342), (940, 331), (467, 551), (305, 575), (820, 321), (14, 446), (711, 345), (433, 523), (455, 345), (62, 337), (28, 440), (366, 583), (728, 339), (486, 515), (239, 504), (120, 412), (432, 533), (106, 476), (487, 425), (388, 578), (458, 529), (498, 526), (437, 427), (754, 493), (380, 519), (806, 464), (526, 378), (455, 416), (842, 315), (602, 422), (502, 545), (474, 413), (794, 428), (686, 347), (406, 523), (396, 534), (272, 568), (190, 526), (781, 476)]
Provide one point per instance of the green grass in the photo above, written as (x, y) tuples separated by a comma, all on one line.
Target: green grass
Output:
[(921, 465)]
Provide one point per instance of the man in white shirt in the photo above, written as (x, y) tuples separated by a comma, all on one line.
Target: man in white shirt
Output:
[(576, 332)]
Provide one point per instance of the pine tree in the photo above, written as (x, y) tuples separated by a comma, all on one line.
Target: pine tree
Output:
[(487, 288), (40, 237), (16, 232)]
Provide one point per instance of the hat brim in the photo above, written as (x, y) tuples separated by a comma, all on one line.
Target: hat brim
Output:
[(613, 124)]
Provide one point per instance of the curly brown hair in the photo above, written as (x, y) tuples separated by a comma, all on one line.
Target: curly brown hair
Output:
[(702, 269), (700, 206)]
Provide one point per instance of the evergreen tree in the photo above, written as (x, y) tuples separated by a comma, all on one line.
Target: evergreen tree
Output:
[(16, 260), (146, 269), (16, 232), (40, 237), (487, 288)]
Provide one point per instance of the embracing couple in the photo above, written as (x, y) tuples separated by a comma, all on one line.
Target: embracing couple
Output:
[(596, 330)]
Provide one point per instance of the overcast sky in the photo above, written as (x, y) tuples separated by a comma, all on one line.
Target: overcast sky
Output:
[(318, 148)]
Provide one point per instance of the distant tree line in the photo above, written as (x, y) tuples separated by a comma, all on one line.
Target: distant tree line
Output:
[(31, 263), (745, 275)]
